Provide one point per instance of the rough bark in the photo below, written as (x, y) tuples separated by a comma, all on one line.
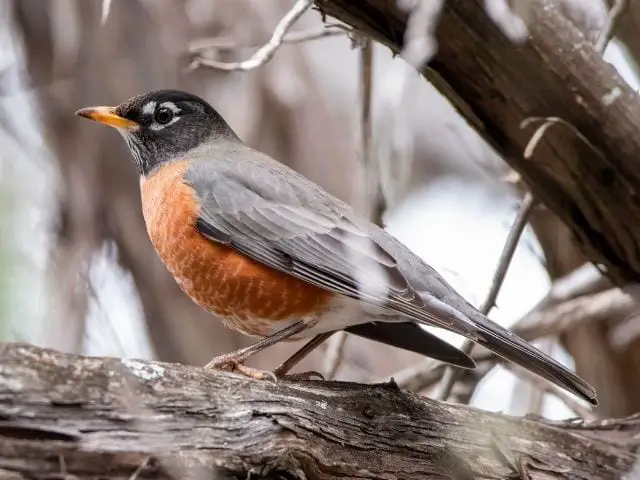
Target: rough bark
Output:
[(68, 416), (498, 84)]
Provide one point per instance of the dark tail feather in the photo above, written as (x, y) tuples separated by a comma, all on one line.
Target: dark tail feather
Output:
[(512, 348), (411, 337)]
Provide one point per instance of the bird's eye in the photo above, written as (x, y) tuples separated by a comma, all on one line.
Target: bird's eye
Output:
[(163, 115)]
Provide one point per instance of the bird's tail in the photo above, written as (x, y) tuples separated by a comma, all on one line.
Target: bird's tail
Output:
[(509, 346)]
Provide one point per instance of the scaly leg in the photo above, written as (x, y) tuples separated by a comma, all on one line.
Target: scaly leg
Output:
[(299, 355), (234, 360)]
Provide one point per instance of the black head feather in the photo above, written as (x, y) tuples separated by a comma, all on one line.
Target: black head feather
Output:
[(171, 123)]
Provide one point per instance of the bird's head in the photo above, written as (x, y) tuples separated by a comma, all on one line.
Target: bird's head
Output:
[(162, 126)]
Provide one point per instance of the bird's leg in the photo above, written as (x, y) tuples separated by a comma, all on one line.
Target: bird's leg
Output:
[(234, 360), (298, 356)]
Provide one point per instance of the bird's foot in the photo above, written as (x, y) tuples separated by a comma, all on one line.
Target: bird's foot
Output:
[(300, 376), (231, 364)]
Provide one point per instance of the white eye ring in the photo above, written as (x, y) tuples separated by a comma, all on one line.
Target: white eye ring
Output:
[(159, 125), (163, 115)]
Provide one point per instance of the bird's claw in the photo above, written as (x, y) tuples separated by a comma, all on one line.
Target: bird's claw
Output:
[(234, 365), (229, 363), (302, 376)]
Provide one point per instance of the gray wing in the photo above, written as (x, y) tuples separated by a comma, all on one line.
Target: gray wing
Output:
[(277, 217), (282, 220)]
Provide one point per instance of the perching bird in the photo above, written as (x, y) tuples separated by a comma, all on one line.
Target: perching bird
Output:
[(273, 255)]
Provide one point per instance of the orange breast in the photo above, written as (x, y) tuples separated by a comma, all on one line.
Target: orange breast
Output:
[(245, 294)]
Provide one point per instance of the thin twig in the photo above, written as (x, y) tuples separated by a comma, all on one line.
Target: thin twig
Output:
[(366, 82), (547, 122), (549, 388), (267, 51), (584, 280), (373, 198), (519, 224), (396, 143), (334, 354), (301, 36), (511, 243), (140, 469), (609, 28), (336, 346)]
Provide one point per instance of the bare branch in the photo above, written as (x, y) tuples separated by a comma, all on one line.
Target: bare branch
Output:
[(560, 318), (366, 94), (301, 36), (267, 51), (198, 424), (584, 280), (579, 409), (508, 251)]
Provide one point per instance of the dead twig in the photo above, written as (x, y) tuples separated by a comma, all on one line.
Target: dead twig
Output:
[(366, 93), (140, 469), (334, 354), (557, 319), (547, 387), (369, 200), (508, 251), (451, 374), (395, 146), (584, 280), (218, 43), (267, 51), (548, 122)]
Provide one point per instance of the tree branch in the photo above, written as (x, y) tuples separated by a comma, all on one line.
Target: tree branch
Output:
[(80, 417), (497, 84)]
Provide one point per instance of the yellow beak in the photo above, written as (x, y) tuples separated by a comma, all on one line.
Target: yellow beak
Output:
[(107, 116)]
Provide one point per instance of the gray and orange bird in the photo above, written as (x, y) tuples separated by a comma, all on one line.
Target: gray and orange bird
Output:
[(275, 256)]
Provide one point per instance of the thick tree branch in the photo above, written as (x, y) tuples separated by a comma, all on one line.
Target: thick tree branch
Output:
[(496, 85), (68, 416)]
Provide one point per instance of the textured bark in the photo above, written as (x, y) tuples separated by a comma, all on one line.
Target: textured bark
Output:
[(498, 84), (68, 416)]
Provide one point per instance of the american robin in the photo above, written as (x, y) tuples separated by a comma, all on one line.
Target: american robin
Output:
[(275, 256)]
